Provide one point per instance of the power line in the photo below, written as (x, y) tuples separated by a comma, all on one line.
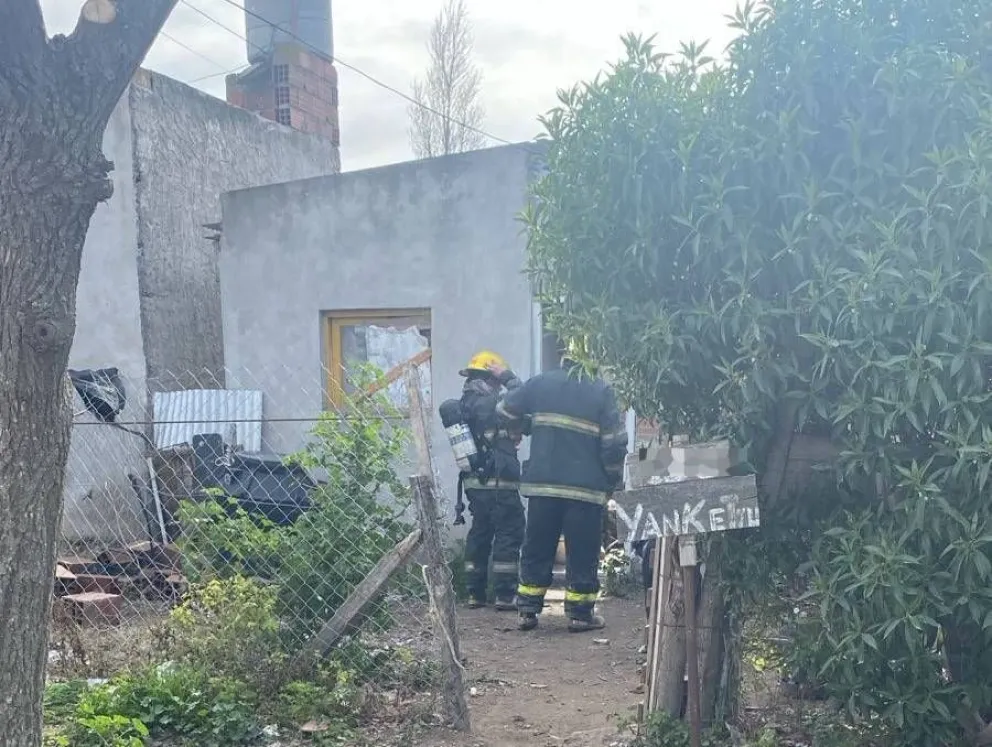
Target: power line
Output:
[(210, 18), (188, 48), (215, 75), (350, 67)]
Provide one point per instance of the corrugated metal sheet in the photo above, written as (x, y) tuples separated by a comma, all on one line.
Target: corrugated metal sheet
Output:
[(181, 415)]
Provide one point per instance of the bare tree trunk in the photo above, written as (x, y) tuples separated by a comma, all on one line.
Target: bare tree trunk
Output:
[(56, 97), (36, 329)]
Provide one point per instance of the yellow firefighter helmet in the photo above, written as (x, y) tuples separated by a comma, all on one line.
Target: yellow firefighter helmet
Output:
[(482, 361)]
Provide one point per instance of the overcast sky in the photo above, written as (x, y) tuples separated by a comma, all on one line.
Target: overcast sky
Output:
[(527, 49)]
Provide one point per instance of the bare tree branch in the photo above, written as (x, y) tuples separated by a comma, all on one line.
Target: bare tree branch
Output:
[(108, 44), (21, 21), (448, 115)]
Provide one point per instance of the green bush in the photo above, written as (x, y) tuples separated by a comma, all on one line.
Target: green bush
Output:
[(799, 239), (61, 699), (330, 549), (229, 627), (355, 518), (101, 730), (618, 573), (339, 701), (220, 539), (166, 702)]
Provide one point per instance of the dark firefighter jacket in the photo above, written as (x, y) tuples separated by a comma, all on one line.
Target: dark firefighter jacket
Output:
[(479, 401), (578, 441)]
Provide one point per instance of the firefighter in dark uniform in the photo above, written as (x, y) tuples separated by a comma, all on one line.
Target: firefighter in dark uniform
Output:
[(577, 450), (493, 499)]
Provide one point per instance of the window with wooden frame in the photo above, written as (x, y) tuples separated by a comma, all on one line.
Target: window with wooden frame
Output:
[(382, 337)]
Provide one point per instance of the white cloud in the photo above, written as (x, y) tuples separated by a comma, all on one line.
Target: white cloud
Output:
[(527, 50)]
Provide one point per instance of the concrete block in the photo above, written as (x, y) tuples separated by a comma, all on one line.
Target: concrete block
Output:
[(65, 581), (94, 582), (94, 608), (76, 564)]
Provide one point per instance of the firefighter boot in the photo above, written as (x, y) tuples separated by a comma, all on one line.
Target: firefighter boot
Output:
[(585, 624), (528, 621)]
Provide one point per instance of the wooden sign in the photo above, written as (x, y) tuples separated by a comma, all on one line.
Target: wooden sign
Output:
[(691, 506)]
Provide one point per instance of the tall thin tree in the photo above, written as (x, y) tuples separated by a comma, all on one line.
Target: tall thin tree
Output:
[(56, 97), (448, 115)]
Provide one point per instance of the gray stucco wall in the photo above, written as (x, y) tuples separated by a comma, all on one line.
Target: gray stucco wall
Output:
[(148, 300), (439, 234), (190, 148), (99, 502)]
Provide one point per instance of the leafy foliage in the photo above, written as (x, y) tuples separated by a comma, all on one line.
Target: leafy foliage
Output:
[(220, 540), (617, 570), (229, 627), (185, 705), (354, 518), (101, 730), (259, 590), (300, 702), (808, 224), (662, 730), (167, 701)]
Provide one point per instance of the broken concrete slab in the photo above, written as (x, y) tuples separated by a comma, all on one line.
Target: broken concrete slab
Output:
[(77, 564), (93, 608), (65, 581), (96, 582)]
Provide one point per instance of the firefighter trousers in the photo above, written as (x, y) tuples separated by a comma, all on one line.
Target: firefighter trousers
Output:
[(497, 531), (581, 523)]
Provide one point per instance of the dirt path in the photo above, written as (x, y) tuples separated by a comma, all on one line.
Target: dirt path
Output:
[(548, 688)]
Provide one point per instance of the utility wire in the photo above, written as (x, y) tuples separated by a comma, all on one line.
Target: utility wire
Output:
[(188, 48), (216, 75), (213, 20), (348, 66)]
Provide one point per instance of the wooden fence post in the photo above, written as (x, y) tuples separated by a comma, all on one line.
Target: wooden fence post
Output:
[(678, 511), (442, 601), (436, 573)]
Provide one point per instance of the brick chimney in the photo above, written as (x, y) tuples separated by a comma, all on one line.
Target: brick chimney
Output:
[(291, 77)]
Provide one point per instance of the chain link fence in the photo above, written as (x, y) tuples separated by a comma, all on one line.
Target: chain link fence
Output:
[(249, 541)]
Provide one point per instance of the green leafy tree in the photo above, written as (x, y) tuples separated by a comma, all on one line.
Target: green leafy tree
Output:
[(356, 514), (797, 240)]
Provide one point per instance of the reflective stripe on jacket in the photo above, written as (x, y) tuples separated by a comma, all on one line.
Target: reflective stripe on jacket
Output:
[(578, 439)]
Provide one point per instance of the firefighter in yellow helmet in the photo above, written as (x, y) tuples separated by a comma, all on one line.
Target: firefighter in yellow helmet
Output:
[(491, 485), (577, 449)]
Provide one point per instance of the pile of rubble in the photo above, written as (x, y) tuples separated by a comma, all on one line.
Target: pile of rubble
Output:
[(94, 591)]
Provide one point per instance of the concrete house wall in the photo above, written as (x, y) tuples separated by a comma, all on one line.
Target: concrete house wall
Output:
[(189, 149), (98, 499), (440, 234), (148, 297)]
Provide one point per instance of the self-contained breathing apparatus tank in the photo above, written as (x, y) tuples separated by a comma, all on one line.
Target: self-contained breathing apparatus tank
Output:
[(459, 436)]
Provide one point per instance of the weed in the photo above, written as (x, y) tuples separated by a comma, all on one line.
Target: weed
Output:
[(618, 573), (229, 627), (169, 701)]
